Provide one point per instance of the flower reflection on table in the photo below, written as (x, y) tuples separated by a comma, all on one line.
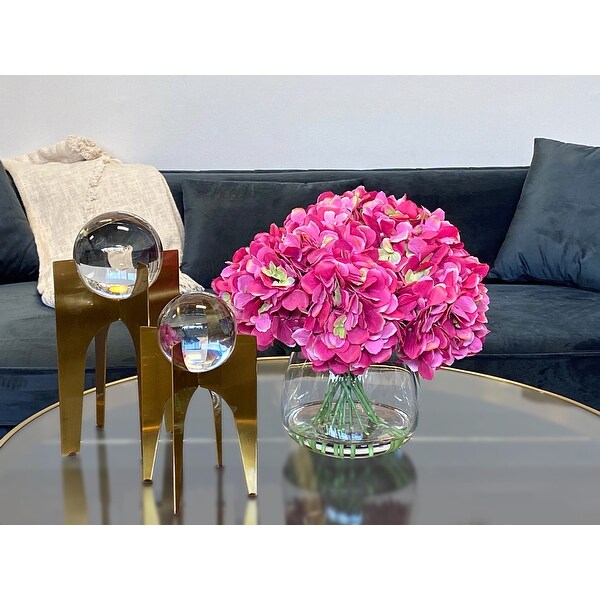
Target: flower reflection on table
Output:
[(321, 491)]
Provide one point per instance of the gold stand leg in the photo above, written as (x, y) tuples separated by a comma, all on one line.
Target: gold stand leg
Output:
[(100, 351), (134, 329), (217, 405), (235, 382), (81, 315), (71, 365), (248, 444), (168, 418), (155, 393), (180, 402)]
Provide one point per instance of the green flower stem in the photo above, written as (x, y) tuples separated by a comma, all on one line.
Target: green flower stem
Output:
[(326, 407), (339, 412), (366, 403), (354, 416)]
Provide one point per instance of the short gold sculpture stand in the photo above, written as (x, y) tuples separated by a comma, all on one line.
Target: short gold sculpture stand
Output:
[(82, 315), (167, 390)]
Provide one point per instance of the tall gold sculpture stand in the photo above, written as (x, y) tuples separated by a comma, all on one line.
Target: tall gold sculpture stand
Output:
[(167, 390), (82, 315)]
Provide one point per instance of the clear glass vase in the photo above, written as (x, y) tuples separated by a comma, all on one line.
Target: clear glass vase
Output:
[(350, 416)]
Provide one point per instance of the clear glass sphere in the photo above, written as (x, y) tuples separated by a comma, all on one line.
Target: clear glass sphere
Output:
[(108, 249), (205, 326)]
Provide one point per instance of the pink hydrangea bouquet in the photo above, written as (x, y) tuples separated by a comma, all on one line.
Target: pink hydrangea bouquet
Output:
[(359, 277)]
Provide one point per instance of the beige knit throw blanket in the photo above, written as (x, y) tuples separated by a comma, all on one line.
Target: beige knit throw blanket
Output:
[(64, 186)]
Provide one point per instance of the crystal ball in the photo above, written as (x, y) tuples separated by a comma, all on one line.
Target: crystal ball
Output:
[(108, 249), (205, 326)]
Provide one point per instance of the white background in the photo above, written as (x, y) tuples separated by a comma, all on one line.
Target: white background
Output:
[(320, 121)]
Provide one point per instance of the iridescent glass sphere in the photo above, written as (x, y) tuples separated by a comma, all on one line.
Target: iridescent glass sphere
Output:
[(205, 326), (108, 249)]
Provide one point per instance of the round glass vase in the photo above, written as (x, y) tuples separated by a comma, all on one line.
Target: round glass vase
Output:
[(350, 416)]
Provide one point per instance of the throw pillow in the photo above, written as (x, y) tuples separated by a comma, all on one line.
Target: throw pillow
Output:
[(66, 185), (222, 216), (18, 254), (554, 235)]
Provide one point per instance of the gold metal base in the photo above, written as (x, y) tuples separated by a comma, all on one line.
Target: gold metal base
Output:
[(166, 390), (81, 315)]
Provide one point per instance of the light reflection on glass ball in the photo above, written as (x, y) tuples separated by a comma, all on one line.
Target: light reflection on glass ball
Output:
[(108, 249), (204, 325)]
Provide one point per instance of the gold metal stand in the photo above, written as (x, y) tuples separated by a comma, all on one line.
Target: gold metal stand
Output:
[(82, 315), (166, 390)]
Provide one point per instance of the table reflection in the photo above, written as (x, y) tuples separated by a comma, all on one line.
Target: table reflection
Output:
[(156, 499), (320, 490)]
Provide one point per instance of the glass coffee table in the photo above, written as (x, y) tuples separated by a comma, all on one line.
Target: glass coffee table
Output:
[(486, 451)]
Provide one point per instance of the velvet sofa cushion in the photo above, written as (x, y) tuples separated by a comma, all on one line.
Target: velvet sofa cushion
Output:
[(546, 336), (479, 201), (222, 216), (554, 236), (526, 319), (28, 360), (18, 254), (571, 375), (28, 332)]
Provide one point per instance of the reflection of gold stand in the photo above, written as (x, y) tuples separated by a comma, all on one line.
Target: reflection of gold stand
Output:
[(153, 511), (82, 315), (234, 381), (74, 496)]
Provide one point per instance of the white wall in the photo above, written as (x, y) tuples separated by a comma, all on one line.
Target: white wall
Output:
[(254, 122)]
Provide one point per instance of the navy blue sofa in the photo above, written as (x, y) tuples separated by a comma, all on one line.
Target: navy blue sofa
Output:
[(547, 336)]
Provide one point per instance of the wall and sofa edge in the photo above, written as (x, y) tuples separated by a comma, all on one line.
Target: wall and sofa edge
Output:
[(546, 335)]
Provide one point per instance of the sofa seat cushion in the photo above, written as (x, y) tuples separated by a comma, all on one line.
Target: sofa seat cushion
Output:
[(545, 336), (28, 367), (28, 332), (523, 319), (541, 319)]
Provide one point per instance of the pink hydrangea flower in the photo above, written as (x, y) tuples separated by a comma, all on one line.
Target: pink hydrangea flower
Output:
[(357, 278), (168, 335)]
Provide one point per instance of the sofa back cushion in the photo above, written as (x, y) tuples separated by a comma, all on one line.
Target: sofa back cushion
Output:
[(18, 253), (222, 216), (480, 201), (554, 236)]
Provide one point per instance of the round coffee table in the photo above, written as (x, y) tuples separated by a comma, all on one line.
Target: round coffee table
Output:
[(485, 451)]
